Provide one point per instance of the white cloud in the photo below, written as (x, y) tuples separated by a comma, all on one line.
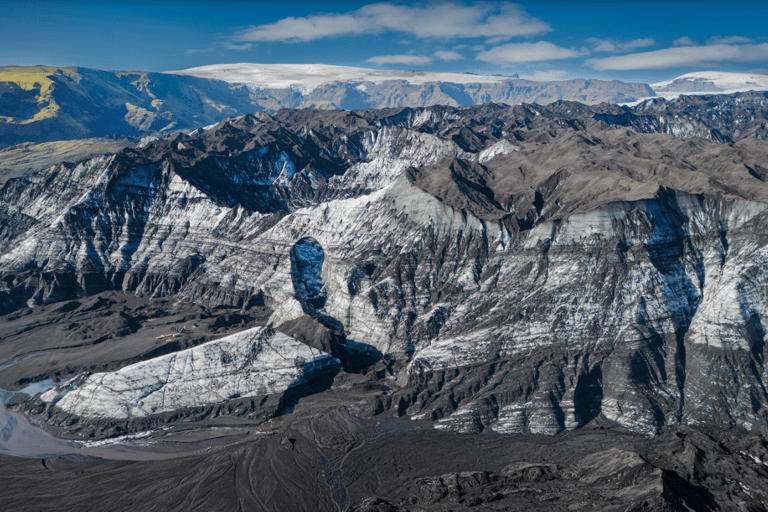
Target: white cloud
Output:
[(605, 45), (729, 40), (526, 52), (415, 60), (448, 56), (683, 41), (230, 46), (438, 20), (602, 45), (682, 56), (545, 76), (193, 51), (497, 40)]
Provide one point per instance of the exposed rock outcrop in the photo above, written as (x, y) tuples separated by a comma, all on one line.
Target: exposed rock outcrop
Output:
[(520, 269)]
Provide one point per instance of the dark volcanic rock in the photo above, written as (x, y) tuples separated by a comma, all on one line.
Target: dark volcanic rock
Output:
[(514, 269), (326, 460), (730, 117), (392, 303)]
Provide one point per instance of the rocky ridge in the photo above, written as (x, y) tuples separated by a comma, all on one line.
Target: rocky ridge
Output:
[(513, 269)]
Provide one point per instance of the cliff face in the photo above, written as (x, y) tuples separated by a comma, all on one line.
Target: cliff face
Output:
[(518, 269)]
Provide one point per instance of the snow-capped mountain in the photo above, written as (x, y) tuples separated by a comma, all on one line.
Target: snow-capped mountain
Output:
[(297, 85), (334, 295), (710, 82), (44, 103), (308, 77)]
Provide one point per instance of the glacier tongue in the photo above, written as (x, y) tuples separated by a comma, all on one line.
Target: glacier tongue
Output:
[(255, 362)]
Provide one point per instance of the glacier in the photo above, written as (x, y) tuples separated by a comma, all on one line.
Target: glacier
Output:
[(255, 362)]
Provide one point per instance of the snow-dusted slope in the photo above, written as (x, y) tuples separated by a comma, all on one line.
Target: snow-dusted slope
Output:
[(711, 82), (522, 269), (307, 77)]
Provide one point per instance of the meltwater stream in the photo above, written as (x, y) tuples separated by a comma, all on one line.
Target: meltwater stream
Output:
[(19, 437)]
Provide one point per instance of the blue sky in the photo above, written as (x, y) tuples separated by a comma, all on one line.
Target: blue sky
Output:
[(630, 41)]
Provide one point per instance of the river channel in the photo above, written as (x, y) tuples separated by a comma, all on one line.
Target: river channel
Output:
[(21, 437)]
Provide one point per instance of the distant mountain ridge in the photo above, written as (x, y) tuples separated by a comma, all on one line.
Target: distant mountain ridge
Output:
[(45, 103), (349, 88), (710, 82)]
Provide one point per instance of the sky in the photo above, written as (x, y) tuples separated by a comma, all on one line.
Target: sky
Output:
[(549, 40)]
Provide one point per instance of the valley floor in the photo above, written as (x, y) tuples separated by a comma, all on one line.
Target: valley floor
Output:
[(332, 448), (323, 457), (330, 452)]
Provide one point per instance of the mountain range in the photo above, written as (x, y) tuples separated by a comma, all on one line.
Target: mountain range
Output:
[(440, 307), (44, 104)]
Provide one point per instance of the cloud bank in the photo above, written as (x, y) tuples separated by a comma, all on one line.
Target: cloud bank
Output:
[(515, 53), (605, 45), (416, 60), (683, 41), (436, 20), (448, 55), (682, 56)]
